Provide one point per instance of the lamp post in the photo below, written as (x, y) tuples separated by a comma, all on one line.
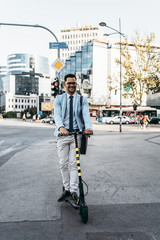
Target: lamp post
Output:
[(103, 24)]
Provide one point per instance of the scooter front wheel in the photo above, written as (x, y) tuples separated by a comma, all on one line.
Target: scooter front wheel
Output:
[(84, 213)]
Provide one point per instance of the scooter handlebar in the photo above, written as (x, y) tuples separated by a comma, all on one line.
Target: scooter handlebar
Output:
[(80, 133), (76, 133)]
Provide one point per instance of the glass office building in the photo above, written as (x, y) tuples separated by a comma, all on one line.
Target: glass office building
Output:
[(80, 63), (26, 85), (19, 63), (32, 73)]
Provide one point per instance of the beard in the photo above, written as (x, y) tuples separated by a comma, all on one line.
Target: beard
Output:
[(72, 89)]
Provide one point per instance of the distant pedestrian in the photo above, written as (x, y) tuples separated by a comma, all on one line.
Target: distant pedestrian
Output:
[(34, 118), (141, 121), (146, 121), (24, 117), (137, 120), (38, 117)]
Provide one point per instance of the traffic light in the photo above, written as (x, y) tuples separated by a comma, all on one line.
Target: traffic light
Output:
[(134, 106), (55, 87)]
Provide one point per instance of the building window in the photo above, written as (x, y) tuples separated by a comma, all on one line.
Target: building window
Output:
[(16, 101)]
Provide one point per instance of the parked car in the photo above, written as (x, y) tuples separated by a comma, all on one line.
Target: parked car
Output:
[(116, 119), (154, 120), (49, 119)]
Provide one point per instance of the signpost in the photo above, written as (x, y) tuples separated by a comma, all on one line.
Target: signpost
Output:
[(40, 113), (58, 65), (57, 45)]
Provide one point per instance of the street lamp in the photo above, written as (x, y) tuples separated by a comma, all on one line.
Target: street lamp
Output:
[(103, 24), (35, 26)]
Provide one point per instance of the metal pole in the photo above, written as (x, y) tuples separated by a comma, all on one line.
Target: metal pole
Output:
[(59, 73), (38, 105), (29, 25), (103, 24), (37, 26), (120, 126)]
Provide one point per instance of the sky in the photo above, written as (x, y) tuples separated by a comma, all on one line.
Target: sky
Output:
[(141, 15)]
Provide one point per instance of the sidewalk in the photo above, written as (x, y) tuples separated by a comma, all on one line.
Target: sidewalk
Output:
[(121, 170), (96, 126)]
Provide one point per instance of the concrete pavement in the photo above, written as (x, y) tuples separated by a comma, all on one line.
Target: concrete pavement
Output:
[(121, 170)]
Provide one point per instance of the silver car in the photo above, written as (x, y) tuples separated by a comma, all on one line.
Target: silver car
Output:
[(116, 119), (49, 119)]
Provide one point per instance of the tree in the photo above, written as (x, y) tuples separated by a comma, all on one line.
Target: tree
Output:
[(141, 67)]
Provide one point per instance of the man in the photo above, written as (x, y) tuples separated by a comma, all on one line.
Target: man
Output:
[(68, 119)]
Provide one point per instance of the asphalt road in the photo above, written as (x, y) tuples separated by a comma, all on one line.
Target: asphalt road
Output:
[(121, 170), (14, 139)]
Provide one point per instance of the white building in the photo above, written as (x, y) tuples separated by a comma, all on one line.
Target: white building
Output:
[(77, 37), (18, 103)]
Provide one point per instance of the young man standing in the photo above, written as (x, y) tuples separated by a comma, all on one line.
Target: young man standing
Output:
[(67, 118)]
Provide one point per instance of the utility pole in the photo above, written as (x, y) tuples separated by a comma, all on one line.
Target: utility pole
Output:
[(103, 24)]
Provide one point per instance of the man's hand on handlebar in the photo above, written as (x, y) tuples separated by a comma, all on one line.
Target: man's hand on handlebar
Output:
[(63, 131), (88, 131)]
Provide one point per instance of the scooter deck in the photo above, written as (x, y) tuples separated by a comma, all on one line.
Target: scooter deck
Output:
[(69, 199)]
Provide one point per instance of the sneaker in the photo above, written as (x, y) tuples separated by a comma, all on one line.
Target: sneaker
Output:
[(64, 196), (75, 198)]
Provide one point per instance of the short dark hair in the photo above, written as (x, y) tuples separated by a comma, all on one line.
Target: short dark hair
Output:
[(70, 75)]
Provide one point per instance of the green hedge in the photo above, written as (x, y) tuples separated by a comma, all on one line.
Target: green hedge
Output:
[(11, 114)]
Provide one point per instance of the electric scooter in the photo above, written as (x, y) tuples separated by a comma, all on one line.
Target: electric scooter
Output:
[(81, 204)]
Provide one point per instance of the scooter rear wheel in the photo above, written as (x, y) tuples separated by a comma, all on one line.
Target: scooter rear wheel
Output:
[(84, 213)]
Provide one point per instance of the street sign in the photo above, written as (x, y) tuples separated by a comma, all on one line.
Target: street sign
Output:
[(57, 45), (40, 112), (58, 65)]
